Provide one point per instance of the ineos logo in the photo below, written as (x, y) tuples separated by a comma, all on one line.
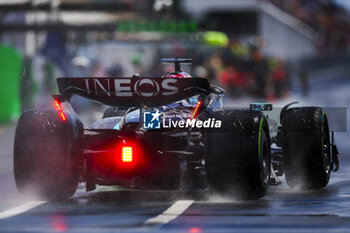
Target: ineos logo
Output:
[(144, 87), (142, 84)]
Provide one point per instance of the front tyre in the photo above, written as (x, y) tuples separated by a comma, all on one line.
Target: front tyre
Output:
[(44, 164), (238, 158), (306, 148)]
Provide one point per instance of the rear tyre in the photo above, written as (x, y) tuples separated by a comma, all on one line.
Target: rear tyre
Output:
[(238, 158), (44, 165), (306, 148)]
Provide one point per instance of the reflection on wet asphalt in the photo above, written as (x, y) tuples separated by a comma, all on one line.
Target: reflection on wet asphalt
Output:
[(108, 210)]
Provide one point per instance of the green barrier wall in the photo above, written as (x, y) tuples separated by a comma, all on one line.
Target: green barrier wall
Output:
[(10, 71)]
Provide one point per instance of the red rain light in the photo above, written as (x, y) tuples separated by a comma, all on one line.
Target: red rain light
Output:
[(58, 105), (127, 154), (196, 110)]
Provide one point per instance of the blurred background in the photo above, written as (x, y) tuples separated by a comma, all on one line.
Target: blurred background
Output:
[(276, 51), (261, 50)]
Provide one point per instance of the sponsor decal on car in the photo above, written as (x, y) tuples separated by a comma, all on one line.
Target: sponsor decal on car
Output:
[(125, 88)]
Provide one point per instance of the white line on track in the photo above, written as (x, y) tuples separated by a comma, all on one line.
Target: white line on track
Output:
[(170, 214), (20, 209)]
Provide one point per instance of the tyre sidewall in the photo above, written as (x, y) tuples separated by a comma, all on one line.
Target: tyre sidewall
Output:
[(44, 164)]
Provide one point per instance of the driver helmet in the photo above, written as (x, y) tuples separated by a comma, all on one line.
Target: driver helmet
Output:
[(190, 101), (177, 75)]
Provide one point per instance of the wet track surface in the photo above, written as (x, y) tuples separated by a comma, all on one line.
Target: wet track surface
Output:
[(114, 209), (118, 210)]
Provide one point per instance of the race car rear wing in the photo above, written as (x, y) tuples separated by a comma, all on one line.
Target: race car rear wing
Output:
[(132, 92)]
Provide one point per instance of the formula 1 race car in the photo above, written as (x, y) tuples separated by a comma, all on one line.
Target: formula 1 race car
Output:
[(169, 133)]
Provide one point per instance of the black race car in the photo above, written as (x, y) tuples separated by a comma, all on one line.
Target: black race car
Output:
[(169, 133)]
